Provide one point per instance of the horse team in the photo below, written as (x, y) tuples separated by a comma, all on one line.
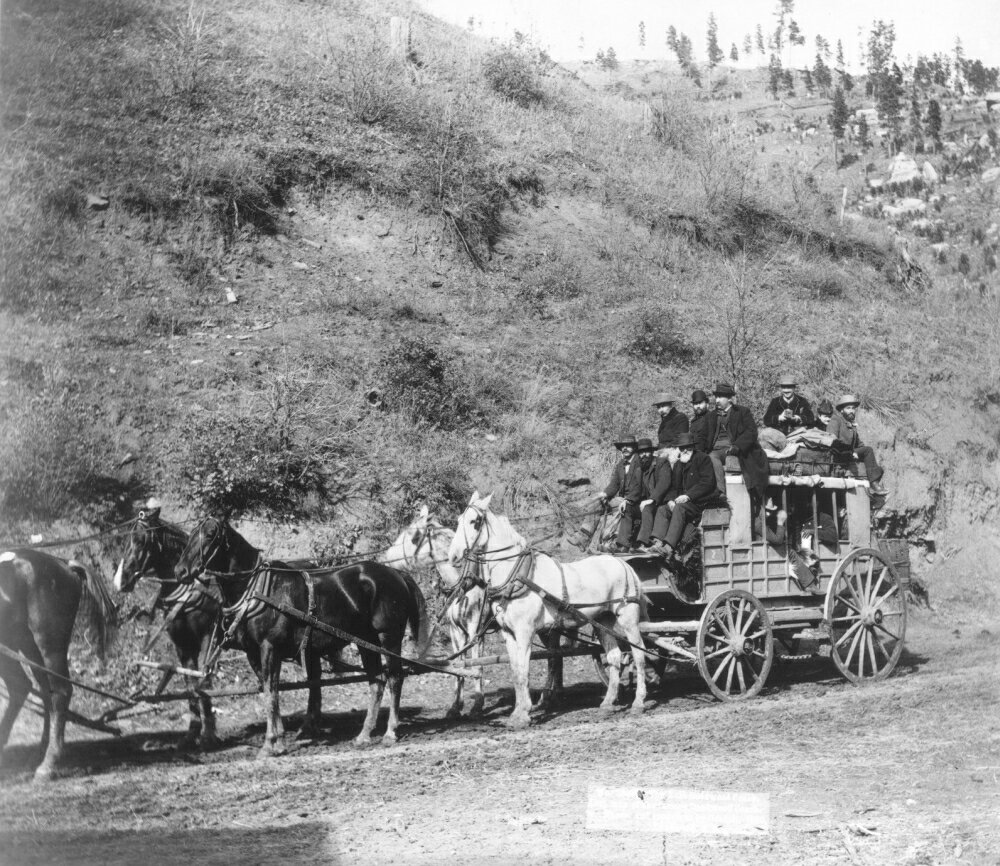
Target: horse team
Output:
[(216, 590)]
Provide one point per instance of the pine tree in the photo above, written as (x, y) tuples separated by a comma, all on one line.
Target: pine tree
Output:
[(715, 55), (822, 74), (807, 81), (734, 53), (889, 108), (774, 76), (759, 35), (839, 115), (916, 127), (610, 60), (933, 123), (881, 42), (863, 133), (642, 35), (747, 45)]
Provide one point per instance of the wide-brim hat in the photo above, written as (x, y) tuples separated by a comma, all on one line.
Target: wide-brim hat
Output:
[(644, 445), (681, 440), (662, 399), (724, 389), (622, 441), (770, 505), (848, 400), (699, 396), (787, 381)]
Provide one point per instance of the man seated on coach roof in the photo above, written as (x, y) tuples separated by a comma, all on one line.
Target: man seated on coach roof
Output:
[(659, 469), (672, 422), (824, 412), (682, 494), (788, 410), (732, 432), (845, 428), (700, 434), (625, 486)]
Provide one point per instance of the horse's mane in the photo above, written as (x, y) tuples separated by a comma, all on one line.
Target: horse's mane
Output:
[(175, 539), (501, 524)]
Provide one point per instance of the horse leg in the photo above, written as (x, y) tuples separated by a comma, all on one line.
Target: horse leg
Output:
[(372, 663), (189, 659), (475, 652), (271, 675), (554, 683), (628, 621), (394, 679), (53, 658), (614, 657), (519, 651), (18, 685), (458, 640), (314, 708)]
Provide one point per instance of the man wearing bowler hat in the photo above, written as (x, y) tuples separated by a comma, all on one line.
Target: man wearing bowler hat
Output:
[(703, 423), (788, 410), (682, 494), (844, 426), (624, 490), (672, 422), (733, 433)]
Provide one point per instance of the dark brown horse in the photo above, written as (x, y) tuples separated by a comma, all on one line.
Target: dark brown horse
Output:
[(191, 610), (39, 598), (366, 600)]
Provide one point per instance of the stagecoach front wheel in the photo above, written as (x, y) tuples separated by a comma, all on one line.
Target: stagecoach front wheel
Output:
[(866, 616), (734, 647)]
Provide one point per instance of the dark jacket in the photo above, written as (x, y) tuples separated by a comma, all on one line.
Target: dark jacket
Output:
[(671, 424), (703, 429), (629, 486), (799, 406), (696, 478), (744, 444), (844, 430), (649, 479)]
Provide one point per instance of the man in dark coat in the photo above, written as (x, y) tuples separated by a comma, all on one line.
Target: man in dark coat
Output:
[(625, 486), (703, 426), (788, 411), (735, 435), (672, 422), (682, 495)]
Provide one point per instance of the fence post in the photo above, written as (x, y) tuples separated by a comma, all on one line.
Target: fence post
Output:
[(399, 38)]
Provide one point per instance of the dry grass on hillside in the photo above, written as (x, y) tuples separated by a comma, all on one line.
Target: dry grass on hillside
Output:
[(531, 267)]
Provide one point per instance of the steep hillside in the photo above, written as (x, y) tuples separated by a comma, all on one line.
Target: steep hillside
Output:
[(250, 260)]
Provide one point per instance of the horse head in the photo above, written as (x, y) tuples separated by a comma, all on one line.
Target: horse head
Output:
[(423, 544), (208, 548), (146, 551)]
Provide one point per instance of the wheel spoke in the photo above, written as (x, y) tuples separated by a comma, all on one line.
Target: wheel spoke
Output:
[(757, 635), (721, 668), (729, 678), (729, 619), (749, 621), (848, 579), (717, 653), (842, 599), (861, 642), (849, 632), (878, 641), (868, 578), (870, 641), (881, 625), (739, 672), (878, 583), (853, 647), (886, 597)]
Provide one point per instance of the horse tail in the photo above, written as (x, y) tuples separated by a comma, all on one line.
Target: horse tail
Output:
[(100, 609), (640, 592), (419, 620)]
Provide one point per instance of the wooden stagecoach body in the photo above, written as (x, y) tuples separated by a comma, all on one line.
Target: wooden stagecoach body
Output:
[(738, 599)]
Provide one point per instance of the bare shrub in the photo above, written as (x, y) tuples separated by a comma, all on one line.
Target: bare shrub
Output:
[(514, 73), (658, 338), (374, 84)]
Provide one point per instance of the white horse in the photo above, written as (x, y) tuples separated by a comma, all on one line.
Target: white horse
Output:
[(425, 543), (604, 588)]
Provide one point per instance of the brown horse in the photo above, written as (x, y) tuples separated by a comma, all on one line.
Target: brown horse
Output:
[(191, 611), (39, 598), (365, 600)]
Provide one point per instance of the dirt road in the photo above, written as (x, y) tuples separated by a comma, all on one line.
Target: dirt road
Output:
[(902, 772)]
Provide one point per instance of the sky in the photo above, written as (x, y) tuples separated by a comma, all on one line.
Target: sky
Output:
[(922, 27)]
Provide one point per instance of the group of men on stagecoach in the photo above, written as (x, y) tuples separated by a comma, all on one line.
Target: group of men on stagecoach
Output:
[(663, 489)]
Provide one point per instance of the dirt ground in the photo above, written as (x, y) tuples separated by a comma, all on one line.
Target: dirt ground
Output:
[(904, 772)]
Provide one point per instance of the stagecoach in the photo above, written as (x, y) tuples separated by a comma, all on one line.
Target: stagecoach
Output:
[(735, 600)]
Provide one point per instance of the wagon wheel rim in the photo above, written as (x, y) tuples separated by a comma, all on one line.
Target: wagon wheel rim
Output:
[(865, 614), (734, 646)]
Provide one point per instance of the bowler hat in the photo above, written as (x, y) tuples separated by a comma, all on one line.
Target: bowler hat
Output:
[(699, 396), (825, 408), (622, 441), (786, 381), (848, 400), (645, 445), (662, 399), (724, 389)]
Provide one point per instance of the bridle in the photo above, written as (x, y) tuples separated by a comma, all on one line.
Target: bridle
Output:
[(218, 543)]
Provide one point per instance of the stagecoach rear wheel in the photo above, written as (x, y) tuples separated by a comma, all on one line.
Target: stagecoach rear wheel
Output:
[(865, 614), (734, 646)]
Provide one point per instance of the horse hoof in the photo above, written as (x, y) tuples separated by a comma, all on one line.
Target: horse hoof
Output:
[(44, 774), (639, 707), (453, 714), (187, 744), (477, 711), (389, 739), (209, 744), (606, 709), (517, 723), (272, 751), (362, 741)]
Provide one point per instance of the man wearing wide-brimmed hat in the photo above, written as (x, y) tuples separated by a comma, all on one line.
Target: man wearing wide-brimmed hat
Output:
[(844, 427), (672, 422), (735, 435), (624, 490), (788, 410)]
